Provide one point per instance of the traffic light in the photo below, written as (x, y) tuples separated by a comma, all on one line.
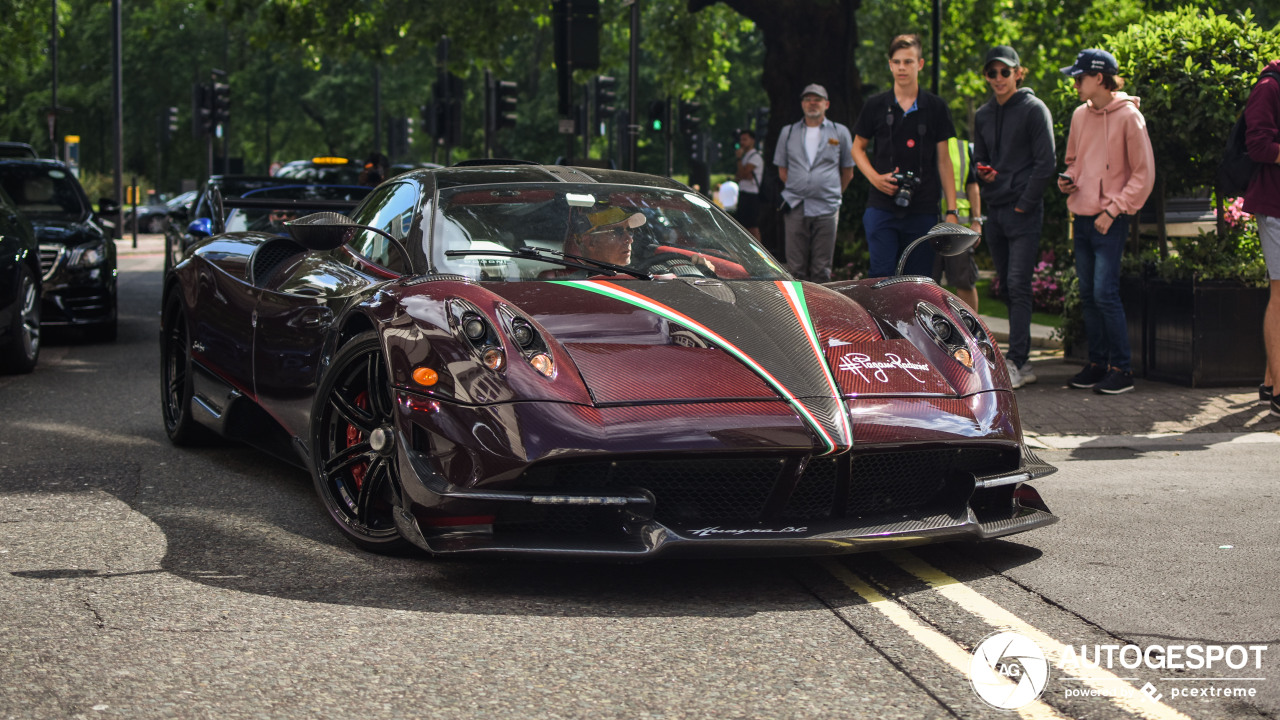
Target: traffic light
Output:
[(201, 111), (689, 119), (445, 122), (576, 26), (657, 115), (605, 91), (762, 121), (168, 124), (504, 104), (221, 106)]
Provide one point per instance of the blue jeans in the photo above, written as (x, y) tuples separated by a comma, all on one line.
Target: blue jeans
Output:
[(888, 235), (1014, 240), (1098, 267)]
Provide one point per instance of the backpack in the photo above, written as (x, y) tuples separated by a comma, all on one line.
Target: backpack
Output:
[(1236, 169)]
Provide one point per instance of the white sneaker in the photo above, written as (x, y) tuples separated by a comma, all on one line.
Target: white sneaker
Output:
[(1028, 373), (1015, 375)]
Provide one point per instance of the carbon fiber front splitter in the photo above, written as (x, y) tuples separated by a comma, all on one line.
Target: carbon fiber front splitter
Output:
[(638, 536)]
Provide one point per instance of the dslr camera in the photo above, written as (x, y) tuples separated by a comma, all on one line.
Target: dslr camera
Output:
[(907, 184)]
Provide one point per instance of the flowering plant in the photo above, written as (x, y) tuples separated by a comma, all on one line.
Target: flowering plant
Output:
[(1234, 257), (1048, 284)]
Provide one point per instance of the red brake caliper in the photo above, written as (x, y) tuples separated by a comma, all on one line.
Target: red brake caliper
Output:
[(355, 437)]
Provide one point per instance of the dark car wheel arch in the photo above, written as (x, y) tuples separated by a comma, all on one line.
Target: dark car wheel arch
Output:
[(358, 485), (176, 383), (21, 350)]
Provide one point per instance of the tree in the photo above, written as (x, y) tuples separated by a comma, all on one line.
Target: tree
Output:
[(1193, 70)]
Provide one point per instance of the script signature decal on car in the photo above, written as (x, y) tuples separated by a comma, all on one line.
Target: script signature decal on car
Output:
[(709, 531), (860, 364)]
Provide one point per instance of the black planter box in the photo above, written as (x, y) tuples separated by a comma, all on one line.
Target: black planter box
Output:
[(1204, 334)]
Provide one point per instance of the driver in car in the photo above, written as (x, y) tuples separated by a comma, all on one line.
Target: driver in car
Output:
[(606, 236)]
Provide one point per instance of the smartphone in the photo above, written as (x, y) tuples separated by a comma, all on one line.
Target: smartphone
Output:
[(1066, 177), (985, 168)]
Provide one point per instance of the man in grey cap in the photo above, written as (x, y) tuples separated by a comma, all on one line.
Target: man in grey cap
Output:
[(1015, 161), (815, 164)]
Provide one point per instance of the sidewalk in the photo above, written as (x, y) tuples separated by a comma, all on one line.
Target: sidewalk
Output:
[(1050, 411), (148, 244), (1057, 417)]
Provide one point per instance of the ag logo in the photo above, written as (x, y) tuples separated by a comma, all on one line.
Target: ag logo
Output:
[(1008, 670)]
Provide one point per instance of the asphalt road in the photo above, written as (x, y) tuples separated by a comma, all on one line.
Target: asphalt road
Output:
[(142, 581)]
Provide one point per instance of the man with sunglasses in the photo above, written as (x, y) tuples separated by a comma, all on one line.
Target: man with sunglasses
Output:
[(605, 235), (1014, 158), (277, 219)]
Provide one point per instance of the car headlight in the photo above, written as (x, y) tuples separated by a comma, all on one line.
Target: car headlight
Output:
[(83, 257)]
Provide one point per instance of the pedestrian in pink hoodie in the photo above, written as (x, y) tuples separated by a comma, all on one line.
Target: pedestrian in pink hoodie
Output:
[(1110, 173)]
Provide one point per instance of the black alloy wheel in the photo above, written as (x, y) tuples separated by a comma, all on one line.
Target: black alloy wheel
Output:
[(353, 446), (175, 376), (155, 224), (20, 354)]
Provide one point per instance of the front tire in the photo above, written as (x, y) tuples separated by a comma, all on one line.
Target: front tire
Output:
[(19, 355), (353, 447)]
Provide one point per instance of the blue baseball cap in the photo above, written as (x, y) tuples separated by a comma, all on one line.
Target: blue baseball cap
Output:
[(1092, 61)]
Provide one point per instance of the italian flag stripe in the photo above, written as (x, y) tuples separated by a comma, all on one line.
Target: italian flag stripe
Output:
[(616, 292), (794, 293)]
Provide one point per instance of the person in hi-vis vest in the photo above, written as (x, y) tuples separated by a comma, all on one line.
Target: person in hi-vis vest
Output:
[(961, 270)]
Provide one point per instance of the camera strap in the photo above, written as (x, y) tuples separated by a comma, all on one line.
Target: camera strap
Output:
[(921, 130)]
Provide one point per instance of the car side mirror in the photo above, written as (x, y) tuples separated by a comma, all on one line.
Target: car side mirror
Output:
[(322, 231), (325, 231), (947, 239), (107, 206), (200, 228)]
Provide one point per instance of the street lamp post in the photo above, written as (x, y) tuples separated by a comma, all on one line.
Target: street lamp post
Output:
[(53, 59), (117, 102), (633, 79)]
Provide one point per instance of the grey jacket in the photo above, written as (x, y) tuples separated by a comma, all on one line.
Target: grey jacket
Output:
[(1017, 140)]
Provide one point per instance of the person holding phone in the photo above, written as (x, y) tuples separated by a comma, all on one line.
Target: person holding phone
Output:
[(1110, 173), (1014, 158)]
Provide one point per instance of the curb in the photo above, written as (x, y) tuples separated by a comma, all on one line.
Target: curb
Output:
[(1153, 441)]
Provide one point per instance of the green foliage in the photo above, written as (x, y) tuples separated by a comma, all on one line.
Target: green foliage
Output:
[(1193, 70)]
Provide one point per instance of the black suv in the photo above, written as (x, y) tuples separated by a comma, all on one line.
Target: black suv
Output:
[(77, 254)]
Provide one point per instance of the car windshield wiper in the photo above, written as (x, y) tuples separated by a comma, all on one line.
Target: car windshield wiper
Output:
[(558, 258)]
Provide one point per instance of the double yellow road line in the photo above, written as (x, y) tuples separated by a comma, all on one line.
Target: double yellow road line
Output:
[(997, 617)]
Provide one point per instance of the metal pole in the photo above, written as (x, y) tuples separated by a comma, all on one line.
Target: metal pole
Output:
[(586, 121), (568, 64), (117, 93), (377, 108), (490, 113), (133, 192), (937, 46), (53, 58), (633, 80), (667, 113)]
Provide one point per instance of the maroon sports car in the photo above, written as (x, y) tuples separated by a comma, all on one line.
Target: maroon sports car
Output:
[(521, 358)]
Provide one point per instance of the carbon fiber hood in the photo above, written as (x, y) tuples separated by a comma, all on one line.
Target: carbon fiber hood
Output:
[(686, 340)]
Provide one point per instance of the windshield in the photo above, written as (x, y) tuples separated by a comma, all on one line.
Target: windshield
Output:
[(655, 231), (43, 191), (273, 219)]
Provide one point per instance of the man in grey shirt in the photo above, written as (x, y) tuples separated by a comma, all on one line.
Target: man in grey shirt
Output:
[(815, 163)]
